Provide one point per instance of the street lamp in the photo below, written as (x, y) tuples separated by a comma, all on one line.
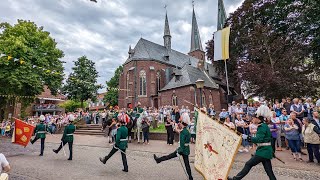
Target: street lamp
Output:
[(200, 85), (41, 104)]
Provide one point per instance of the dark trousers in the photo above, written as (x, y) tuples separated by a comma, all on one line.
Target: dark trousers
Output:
[(273, 144), (170, 136), (313, 149), (253, 162), (70, 147), (145, 135), (185, 160), (42, 143), (123, 156)]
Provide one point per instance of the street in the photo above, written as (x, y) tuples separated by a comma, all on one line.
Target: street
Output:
[(27, 165)]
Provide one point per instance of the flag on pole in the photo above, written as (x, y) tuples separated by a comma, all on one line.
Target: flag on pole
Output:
[(22, 133), (221, 44), (216, 148)]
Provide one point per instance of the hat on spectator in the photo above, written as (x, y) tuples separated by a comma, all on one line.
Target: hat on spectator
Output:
[(71, 117), (42, 118)]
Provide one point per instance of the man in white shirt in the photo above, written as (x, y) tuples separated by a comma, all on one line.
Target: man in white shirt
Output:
[(4, 164)]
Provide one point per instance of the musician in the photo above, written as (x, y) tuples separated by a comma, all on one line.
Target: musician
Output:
[(183, 149), (264, 152), (121, 144)]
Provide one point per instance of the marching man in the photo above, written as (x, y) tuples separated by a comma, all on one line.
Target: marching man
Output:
[(40, 131), (264, 152), (184, 149), (67, 137), (121, 144)]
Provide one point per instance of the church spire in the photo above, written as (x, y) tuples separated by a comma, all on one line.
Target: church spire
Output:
[(195, 35), (167, 36)]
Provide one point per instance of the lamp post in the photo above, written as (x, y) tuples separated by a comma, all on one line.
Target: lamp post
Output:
[(200, 85), (41, 104)]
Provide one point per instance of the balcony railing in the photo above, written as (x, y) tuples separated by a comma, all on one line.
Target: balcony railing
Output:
[(52, 107)]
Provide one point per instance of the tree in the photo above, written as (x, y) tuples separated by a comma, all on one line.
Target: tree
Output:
[(113, 88), (71, 105), (269, 49), (29, 59), (81, 84)]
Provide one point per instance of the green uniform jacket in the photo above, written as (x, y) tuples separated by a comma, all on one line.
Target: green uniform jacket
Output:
[(41, 130), (138, 110), (121, 138), (184, 147), (263, 136), (69, 129)]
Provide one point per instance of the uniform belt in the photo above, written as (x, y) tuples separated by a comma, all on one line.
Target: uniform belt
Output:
[(123, 139), (186, 144), (264, 144), (41, 132), (69, 134)]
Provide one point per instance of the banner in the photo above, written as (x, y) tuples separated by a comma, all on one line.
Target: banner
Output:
[(22, 133), (216, 148), (221, 44)]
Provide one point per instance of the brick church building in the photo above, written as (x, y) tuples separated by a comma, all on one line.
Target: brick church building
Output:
[(157, 75)]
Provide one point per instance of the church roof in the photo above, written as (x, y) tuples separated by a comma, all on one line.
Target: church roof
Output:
[(195, 35), (147, 50), (189, 76)]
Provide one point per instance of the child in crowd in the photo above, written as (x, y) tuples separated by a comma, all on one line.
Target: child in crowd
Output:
[(3, 128)]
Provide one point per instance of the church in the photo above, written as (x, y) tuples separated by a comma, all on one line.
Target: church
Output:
[(157, 75)]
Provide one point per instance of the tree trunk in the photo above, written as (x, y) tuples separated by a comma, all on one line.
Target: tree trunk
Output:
[(81, 104)]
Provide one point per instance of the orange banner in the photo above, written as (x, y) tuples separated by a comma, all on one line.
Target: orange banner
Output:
[(22, 133)]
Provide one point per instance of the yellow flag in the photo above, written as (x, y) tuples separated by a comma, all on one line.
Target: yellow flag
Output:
[(9, 57), (225, 42), (221, 44)]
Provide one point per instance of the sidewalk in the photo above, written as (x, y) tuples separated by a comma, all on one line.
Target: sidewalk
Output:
[(160, 147)]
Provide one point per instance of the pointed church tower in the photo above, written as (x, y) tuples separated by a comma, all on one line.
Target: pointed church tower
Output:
[(167, 36), (196, 46)]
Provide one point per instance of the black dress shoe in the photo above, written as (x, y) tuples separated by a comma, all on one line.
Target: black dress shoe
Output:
[(70, 159), (230, 178), (124, 170), (55, 151), (40, 154), (102, 160), (156, 158)]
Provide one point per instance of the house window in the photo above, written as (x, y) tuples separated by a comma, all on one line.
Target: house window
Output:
[(158, 81), (203, 100), (127, 87), (143, 83), (174, 100), (210, 99)]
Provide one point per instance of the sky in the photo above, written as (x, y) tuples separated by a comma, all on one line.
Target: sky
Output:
[(104, 30)]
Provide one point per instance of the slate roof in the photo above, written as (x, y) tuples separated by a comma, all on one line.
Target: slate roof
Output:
[(189, 76), (147, 50)]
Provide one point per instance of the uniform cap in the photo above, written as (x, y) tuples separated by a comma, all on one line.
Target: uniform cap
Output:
[(42, 118), (185, 118), (71, 117)]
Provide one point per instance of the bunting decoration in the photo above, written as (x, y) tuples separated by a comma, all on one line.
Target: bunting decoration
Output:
[(22, 133), (216, 148), (10, 96)]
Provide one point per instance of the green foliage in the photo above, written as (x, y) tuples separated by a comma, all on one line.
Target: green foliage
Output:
[(35, 60), (160, 129), (274, 48), (81, 83), (71, 105), (112, 95)]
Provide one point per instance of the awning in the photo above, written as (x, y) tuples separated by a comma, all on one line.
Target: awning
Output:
[(51, 99)]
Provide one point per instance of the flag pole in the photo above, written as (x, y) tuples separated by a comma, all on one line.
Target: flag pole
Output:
[(225, 65)]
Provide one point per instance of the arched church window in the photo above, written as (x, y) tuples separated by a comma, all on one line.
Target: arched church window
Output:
[(158, 81), (143, 83), (210, 99), (174, 100), (203, 100)]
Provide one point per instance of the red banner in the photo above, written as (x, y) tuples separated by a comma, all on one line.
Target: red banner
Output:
[(22, 133)]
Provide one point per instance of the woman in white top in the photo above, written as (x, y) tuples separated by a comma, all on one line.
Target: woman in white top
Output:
[(276, 120), (228, 123)]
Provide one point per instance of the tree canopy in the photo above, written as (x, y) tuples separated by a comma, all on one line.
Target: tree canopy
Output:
[(274, 47), (81, 84), (113, 88)]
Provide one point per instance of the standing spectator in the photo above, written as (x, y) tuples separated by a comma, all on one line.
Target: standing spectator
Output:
[(297, 108), (104, 115), (241, 126), (287, 104), (238, 110), (308, 106), (4, 164), (253, 127), (275, 120), (188, 110), (177, 114), (244, 106), (228, 123), (3, 128), (310, 134), (8, 128), (192, 131), (145, 129), (169, 128), (232, 111), (97, 117), (273, 128), (315, 119), (277, 110), (251, 110), (292, 134)]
